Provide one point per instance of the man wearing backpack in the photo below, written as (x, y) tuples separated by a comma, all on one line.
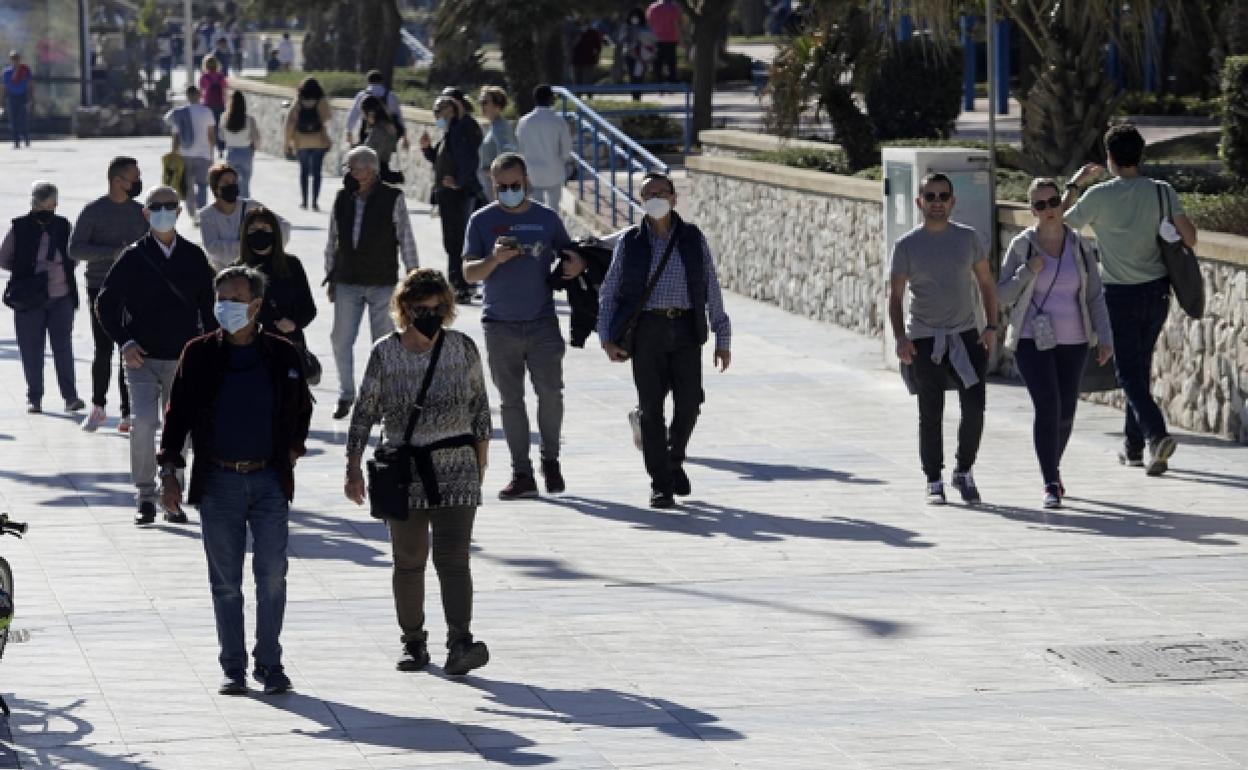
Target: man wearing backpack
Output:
[(195, 133)]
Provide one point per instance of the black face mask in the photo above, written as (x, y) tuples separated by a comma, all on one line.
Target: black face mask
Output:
[(427, 323), (350, 183), (136, 189), (229, 193), (44, 217), (260, 240)]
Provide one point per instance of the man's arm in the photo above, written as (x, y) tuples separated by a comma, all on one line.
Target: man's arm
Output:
[(897, 317), (403, 228), (607, 293), (331, 247), (1187, 230), (111, 301), (81, 249), (987, 292)]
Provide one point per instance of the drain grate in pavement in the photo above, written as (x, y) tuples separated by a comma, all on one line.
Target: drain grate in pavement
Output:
[(18, 635), (1190, 660)]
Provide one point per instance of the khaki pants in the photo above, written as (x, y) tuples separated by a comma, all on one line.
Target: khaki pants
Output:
[(452, 536)]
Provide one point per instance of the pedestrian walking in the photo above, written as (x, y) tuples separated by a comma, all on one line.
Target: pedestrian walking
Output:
[(369, 230), (104, 229), (586, 53), (241, 135), (1058, 312), (456, 187), (220, 221), (663, 16), (158, 297), (195, 134), (286, 52), (938, 265), (512, 245), (43, 294), (658, 302), (241, 395), (222, 53), (212, 87), (1125, 213), (546, 144), (424, 384), (376, 88), (638, 46), (307, 136), (499, 137), (288, 304), (382, 135), (19, 92)]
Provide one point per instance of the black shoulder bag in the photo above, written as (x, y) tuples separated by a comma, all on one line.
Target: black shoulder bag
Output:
[(390, 470), (1181, 264), (1097, 378), (628, 337)]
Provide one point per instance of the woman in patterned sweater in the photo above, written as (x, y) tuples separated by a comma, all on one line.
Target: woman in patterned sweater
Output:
[(453, 431)]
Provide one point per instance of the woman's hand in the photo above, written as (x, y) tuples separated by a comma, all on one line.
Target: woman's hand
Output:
[(285, 326), (1103, 353), (354, 488), (1036, 263)]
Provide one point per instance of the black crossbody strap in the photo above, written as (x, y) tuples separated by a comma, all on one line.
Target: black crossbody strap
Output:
[(424, 388), (176, 292), (654, 279)]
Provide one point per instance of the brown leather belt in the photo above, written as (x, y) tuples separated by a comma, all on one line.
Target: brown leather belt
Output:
[(241, 466), (669, 312)]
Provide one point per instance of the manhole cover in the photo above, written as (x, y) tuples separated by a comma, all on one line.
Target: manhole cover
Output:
[(18, 635), (1191, 660)]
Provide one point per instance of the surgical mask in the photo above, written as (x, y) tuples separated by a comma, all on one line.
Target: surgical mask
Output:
[(136, 189), (511, 198), (229, 193), (260, 241), (163, 221), (427, 325), (232, 315), (657, 208), (441, 123)]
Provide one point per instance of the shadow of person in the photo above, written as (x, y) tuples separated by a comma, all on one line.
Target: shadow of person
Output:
[(55, 736), (749, 471), (1208, 477), (601, 707), (1114, 519), (80, 488), (394, 732), (321, 536)]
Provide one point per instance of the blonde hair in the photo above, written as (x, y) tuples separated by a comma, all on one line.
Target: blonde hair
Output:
[(420, 284), (1043, 181), (495, 96), (211, 64)]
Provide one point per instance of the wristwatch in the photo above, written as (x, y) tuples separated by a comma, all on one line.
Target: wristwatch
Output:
[(990, 328)]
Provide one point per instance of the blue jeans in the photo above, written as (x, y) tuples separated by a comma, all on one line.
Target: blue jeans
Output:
[(217, 112), (53, 322), (1137, 313), (349, 303), (241, 159), (232, 502), (1052, 378), (18, 122), (310, 162)]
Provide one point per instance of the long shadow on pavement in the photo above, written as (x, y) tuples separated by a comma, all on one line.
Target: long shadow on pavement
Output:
[(1114, 519), (1208, 477), (769, 472), (54, 736), (81, 488)]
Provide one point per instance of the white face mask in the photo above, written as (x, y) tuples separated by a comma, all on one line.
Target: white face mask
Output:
[(657, 208), (232, 315)]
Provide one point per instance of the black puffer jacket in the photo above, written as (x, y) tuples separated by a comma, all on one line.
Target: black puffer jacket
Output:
[(582, 291)]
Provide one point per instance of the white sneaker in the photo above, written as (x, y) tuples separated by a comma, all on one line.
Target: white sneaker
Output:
[(94, 420), (634, 422)]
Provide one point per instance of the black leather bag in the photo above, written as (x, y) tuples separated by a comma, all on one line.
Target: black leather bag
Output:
[(390, 470), (628, 337), (28, 292), (312, 368), (1182, 267)]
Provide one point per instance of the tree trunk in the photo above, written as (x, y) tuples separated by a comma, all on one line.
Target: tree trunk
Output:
[(388, 39), (708, 26), (752, 15), (851, 128), (368, 39), (345, 35), (455, 57), (518, 44), (554, 57)]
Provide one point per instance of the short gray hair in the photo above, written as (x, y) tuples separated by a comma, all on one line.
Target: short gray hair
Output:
[(363, 156), (257, 281), (163, 190), (42, 192)]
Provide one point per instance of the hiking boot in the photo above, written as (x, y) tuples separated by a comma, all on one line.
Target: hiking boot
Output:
[(680, 482), (233, 683), (273, 678), (1159, 452), (95, 418), (1052, 496), (344, 408), (520, 488), (74, 405), (936, 493), (554, 477), (965, 484), (415, 657), (465, 656), (146, 514), (634, 422), (1132, 458), (662, 500)]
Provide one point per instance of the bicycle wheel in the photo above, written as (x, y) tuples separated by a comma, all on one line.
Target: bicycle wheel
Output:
[(6, 585)]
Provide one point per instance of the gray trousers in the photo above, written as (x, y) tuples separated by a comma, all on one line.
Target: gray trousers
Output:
[(548, 196), (512, 347), (149, 395), (350, 301), (197, 181), (53, 322)]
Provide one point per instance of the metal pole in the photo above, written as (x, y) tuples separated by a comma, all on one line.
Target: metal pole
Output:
[(992, 113), (188, 46), (84, 46)]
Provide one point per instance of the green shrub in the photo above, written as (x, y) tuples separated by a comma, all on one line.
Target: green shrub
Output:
[(917, 92), (1226, 213), (1235, 116), (830, 161), (1188, 179), (1143, 103), (340, 84)]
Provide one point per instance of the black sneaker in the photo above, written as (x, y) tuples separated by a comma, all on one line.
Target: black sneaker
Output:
[(233, 683), (344, 408), (1052, 496), (414, 658), (965, 484), (465, 656), (176, 516), (520, 488), (936, 493), (146, 514), (34, 406), (680, 482), (553, 476), (75, 405), (1159, 453), (273, 678), (662, 500), (1132, 458)]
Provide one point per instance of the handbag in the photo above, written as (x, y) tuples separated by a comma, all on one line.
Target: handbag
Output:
[(27, 292), (1096, 378), (628, 337), (312, 368), (1181, 264), (390, 470)]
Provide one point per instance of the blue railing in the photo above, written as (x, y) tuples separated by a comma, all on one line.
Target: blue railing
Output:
[(606, 157)]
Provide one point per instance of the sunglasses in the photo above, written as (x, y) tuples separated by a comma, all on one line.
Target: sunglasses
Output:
[(169, 206), (942, 197), (1054, 202), (657, 194), (517, 187)]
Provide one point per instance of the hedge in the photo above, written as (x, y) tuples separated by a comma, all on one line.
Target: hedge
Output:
[(1235, 116)]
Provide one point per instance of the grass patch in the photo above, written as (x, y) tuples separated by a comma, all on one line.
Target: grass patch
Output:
[(410, 84), (1223, 213), (1202, 146)]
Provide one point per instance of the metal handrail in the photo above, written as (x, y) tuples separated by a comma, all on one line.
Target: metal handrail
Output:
[(605, 126)]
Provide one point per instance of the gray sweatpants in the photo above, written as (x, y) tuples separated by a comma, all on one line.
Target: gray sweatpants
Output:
[(512, 347)]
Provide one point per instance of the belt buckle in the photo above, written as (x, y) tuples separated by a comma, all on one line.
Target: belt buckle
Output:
[(672, 313), (240, 466)]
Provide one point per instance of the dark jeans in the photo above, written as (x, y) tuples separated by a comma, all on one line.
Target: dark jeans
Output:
[(232, 502), (930, 380), (310, 162), (665, 60), (19, 118), (102, 362), (54, 322), (452, 536), (217, 112), (455, 206), (667, 359), (1052, 378), (1137, 313)]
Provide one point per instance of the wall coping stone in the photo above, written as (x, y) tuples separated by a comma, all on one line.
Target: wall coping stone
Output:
[(801, 179), (748, 141)]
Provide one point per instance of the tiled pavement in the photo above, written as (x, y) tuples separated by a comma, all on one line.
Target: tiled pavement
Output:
[(803, 610)]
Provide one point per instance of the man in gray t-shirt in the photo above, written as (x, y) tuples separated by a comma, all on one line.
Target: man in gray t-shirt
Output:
[(937, 266)]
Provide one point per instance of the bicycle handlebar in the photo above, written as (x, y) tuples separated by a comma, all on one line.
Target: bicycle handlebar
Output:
[(8, 526)]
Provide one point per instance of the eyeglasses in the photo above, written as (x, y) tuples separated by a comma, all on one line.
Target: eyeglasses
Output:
[(167, 206), (1054, 202), (517, 187), (942, 197)]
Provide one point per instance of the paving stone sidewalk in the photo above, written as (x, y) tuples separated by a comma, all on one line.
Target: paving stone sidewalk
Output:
[(803, 609)]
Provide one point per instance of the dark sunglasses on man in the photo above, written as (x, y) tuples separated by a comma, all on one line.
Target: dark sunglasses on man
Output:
[(931, 197), (1040, 205), (166, 206)]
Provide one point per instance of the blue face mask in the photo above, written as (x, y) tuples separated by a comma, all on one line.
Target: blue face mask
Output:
[(232, 315), (441, 124), (163, 221), (511, 198)]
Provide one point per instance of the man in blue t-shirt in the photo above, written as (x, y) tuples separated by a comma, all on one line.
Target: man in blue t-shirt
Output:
[(511, 246), (17, 96)]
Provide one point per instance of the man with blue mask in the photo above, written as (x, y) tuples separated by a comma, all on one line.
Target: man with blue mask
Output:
[(242, 396), (512, 245), (156, 298), (456, 187)]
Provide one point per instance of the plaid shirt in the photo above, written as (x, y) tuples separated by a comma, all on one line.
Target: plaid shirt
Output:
[(402, 228), (671, 291)]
